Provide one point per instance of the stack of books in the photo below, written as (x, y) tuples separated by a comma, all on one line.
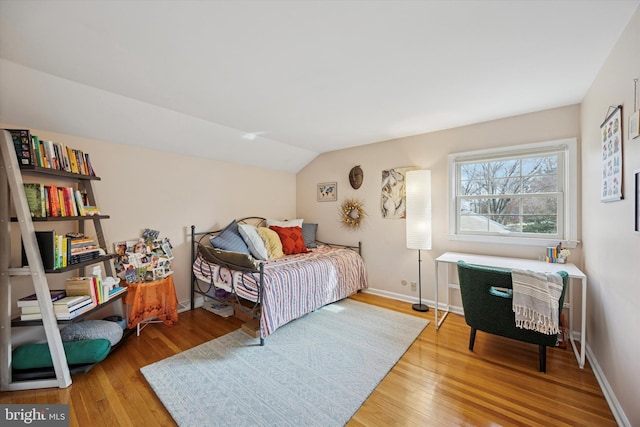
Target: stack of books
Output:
[(82, 249), (65, 307)]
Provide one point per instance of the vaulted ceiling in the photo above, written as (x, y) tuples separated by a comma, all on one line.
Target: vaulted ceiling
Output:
[(275, 83)]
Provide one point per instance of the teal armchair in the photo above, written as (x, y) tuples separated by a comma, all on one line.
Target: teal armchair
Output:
[(487, 304)]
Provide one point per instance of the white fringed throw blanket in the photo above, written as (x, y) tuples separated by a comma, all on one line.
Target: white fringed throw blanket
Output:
[(535, 300)]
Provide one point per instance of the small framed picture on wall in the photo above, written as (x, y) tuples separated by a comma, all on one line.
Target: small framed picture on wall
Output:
[(611, 138), (328, 192)]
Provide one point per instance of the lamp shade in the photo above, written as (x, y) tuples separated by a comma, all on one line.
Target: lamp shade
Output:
[(418, 208)]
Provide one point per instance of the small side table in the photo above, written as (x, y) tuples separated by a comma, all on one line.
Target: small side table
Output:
[(151, 302)]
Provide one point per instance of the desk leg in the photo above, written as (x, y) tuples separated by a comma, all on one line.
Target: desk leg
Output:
[(583, 327), (446, 276), (580, 355), (436, 311)]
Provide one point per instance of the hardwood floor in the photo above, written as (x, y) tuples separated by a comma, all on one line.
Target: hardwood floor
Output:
[(438, 382)]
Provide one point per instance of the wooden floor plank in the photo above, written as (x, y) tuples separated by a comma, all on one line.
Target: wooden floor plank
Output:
[(438, 381)]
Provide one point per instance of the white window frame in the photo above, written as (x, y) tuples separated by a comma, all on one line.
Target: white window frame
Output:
[(570, 198)]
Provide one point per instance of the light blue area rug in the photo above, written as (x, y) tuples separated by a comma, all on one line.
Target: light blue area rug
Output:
[(314, 371)]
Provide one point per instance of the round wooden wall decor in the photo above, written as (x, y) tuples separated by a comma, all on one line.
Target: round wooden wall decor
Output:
[(356, 176)]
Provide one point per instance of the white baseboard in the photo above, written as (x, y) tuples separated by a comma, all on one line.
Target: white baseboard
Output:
[(413, 300), (392, 295), (609, 395)]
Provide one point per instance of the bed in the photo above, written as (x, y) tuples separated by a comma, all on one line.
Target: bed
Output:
[(276, 290)]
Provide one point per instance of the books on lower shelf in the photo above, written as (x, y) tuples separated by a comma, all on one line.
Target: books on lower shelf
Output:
[(99, 291), (63, 305), (58, 251), (71, 314), (81, 294), (65, 308), (32, 300)]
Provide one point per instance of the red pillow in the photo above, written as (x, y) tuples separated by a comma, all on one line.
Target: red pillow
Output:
[(291, 238)]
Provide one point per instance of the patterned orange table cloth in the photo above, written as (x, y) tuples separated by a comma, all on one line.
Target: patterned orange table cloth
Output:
[(152, 299)]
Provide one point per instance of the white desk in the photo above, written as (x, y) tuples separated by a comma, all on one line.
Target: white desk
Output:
[(523, 264)]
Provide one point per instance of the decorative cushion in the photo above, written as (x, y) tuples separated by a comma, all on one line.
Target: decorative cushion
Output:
[(309, 233), (233, 259), (230, 239), (91, 330), (255, 243), (32, 356), (289, 223), (291, 238), (272, 242)]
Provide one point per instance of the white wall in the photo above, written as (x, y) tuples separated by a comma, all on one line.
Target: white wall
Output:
[(384, 247), (143, 188), (611, 249)]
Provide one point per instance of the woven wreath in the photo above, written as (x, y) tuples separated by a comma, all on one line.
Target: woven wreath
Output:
[(352, 213)]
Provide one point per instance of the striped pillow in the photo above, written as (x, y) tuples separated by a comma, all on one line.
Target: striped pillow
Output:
[(229, 239)]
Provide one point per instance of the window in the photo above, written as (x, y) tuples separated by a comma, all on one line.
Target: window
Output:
[(523, 195)]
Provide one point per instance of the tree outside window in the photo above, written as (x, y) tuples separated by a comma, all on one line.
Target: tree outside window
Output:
[(517, 195)]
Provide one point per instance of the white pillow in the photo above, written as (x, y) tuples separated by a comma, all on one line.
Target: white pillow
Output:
[(290, 223), (255, 243)]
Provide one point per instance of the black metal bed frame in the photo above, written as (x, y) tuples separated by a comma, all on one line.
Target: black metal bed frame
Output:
[(254, 309)]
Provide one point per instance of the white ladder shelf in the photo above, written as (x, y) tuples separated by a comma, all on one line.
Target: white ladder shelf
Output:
[(11, 188)]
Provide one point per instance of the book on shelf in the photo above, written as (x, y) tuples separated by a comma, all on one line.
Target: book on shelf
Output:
[(62, 315), (35, 199), (79, 202), (32, 316), (88, 165), (76, 313), (37, 151), (81, 302), (32, 300), (53, 202), (81, 286), (65, 305), (91, 210), (76, 259), (22, 144), (71, 301), (116, 291), (46, 245), (80, 241)]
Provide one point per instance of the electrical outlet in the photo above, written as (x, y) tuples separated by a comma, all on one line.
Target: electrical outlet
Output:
[(413, 286)]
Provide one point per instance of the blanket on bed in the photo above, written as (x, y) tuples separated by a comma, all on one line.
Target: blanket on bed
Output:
[(294, 285)]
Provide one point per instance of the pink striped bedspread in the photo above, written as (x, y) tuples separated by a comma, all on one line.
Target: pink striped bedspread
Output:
[(294, 285)]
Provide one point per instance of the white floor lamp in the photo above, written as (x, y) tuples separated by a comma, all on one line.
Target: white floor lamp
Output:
[(418, 205)]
